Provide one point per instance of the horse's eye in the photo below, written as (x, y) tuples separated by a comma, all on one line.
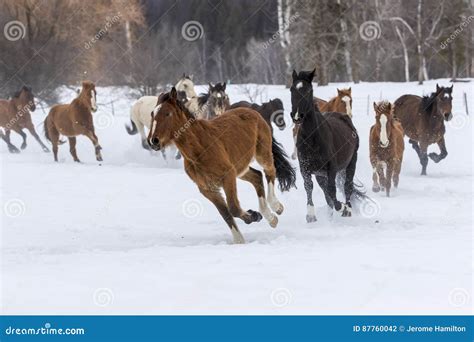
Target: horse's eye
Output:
[(168, 114)]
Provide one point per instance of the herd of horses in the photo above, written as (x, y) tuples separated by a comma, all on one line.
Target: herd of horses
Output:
[(219, 140)]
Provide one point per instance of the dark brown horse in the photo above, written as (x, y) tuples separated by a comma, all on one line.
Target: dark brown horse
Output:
[(386, 148), (423, 119), (72, 120), (271, 111), (342, 103), (15, 115), (218, 151)]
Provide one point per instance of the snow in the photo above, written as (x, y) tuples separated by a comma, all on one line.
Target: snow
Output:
[(134, 235)]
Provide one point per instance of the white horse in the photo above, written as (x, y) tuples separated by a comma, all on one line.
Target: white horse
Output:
[(140, 117), (187, 94)]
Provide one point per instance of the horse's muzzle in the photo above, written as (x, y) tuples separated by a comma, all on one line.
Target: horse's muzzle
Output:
[(448, 116), (154, 143)]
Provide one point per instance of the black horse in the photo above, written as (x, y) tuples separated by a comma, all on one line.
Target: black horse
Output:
[(271, 111), (327, 146)]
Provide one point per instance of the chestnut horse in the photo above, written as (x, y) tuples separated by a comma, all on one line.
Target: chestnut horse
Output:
[(218, 151), (423, 119), (386, 148), (15, 115), (72, 120), (342, 103)]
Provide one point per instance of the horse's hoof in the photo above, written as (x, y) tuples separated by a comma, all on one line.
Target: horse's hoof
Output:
[(45, 149), (255, 216), (99, 159), (77, 160), (310, 218), (23, 146), (376, 188), (273, 221), (423, 173), (13, 149), (434, 157), (347, 211)]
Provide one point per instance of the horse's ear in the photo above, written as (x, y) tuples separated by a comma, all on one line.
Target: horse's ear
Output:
[(223, 86), (338, 91), (451, 88), (437, 88), (375, 106), (173, 94), (312, 73), (191, 77), (350, 91), (294, 75)]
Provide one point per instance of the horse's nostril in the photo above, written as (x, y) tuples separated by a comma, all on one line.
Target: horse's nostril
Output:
[(155, 141)]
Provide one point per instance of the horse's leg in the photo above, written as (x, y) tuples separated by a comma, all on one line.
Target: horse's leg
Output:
[(141, 130), (91, 135), (295, 134), (323, 183), (255, 178), (338, 206), (423, 157), (32, 130), (380, 170), (21, 133), (415, 146), (6, 137), (388, 178), (397, 165), (216, 198), (308, 186), (230, 189), (72, 148), (54, 138), (443, 152), (349, 184)]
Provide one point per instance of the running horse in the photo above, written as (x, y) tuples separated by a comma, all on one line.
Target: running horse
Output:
[(386, 148), (423, 119), (218, 151), (72, 120), (342, 103), (271, 111), (15, 115)]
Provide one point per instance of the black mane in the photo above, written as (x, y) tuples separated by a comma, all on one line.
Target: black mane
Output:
[(166, 97), (428, 102), (202, 99)]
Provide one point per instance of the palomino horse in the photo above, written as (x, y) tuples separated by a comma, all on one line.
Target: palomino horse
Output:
[(187, 93), (342, 103), (72, 120), (423, 119), (218, 151), (15, 115), (386, 148), (271, 111), (327, 144)]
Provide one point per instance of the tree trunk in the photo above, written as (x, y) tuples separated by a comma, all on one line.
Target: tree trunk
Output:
[(346, 44), (419, 42), (284, 11), (405, 54)]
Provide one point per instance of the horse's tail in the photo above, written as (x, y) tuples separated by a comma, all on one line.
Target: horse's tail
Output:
[(359, 194), (132, 129), (285, 173), (46, 132)]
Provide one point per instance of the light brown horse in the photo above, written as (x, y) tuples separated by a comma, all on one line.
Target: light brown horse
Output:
[(218, 151), (386, 148), (72, 120), (423, 119), (342, 103), (15, 115)]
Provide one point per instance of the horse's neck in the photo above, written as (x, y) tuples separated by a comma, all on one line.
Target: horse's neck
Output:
[(17, 103), (312, 117), (190, 141)]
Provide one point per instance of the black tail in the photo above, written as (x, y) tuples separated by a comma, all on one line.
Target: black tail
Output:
[(285, 173), (358, 194), (131, 129)]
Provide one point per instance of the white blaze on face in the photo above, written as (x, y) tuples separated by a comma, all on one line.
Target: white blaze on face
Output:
[(157, 109), (347, 101), (93, 101), (383, 131)]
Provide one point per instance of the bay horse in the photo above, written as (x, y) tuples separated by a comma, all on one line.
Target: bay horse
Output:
[(342, 103), (218, 151), (327, 144), (423, 119), (386, 148), (72, 120), (15, 115), (271, 111)]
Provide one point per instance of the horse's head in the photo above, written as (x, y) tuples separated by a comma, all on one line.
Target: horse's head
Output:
[(383, 119), (345, 95), (301, 94), (169, 119), (25, 98), (274, 109), (218, 98), (185, 88), (444, 100), (90, 95)]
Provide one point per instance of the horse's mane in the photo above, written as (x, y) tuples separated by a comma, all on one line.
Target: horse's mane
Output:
[(383, 107), (428, 102), (18, 92), (202, 99), (166, 97)]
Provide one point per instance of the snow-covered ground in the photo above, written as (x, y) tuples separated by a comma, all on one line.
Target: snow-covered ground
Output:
[(134, 235)]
